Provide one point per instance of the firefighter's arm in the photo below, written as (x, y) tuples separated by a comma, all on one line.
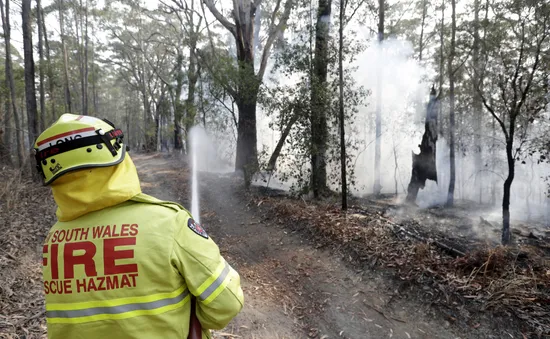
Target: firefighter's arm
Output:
[(209, 277)]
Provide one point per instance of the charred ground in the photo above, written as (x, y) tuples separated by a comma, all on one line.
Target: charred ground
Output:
[(310, 271)]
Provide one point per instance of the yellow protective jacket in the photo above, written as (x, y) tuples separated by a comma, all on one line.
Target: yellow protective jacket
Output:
[(122, 264)]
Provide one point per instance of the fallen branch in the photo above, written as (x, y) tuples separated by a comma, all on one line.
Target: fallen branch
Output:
[(388, 318)]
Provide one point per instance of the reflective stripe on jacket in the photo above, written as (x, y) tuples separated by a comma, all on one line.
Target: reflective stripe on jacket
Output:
[(129, 271)]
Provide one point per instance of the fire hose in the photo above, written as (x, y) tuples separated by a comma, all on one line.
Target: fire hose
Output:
[(195, 328)]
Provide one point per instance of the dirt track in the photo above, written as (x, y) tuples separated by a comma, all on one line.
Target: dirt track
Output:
[(292, 288)]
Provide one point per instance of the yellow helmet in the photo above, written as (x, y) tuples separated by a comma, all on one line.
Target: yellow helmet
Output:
[(75, 142)]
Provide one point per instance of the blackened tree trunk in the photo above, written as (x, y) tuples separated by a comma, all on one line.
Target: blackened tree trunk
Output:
[(30, 94), (424, 164), (319, 104), (377, 187), (451, 193), (506, 194), (41, 65), (10, 80)]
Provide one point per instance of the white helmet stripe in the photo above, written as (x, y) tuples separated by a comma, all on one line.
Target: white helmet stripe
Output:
[(57, 139)]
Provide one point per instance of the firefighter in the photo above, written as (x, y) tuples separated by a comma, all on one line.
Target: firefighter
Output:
[(120, 263)]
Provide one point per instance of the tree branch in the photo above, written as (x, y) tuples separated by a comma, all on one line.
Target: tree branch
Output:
[(223, 20), (272, 36)]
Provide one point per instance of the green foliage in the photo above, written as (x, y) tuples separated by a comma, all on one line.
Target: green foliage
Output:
[(282, 101)]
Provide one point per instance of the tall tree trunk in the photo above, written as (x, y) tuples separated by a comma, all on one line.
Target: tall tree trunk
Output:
[(378, 143), (246, 136), (5, 157), (68, 100), (85, 63), (319, 105), (249, 83), (30, 87), (506, 195), (450, 196), (441, 64), (179, 108), (51, 91), (94, 75), (10, 80), (477, 104), (192, 77), (341, 107), (7, 139), (41, 65), (421, 42), (79, 30)]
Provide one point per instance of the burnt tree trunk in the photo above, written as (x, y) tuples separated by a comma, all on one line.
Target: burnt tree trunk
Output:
[(319, 106), (424, 164), (506, 194)]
